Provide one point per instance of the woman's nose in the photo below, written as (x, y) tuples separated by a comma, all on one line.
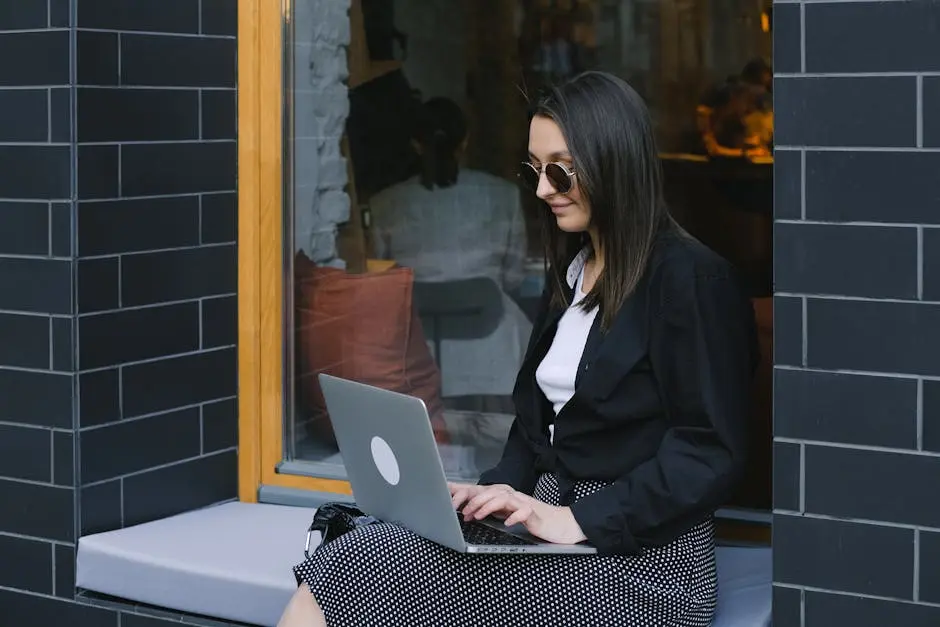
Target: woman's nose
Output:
[(544, 189)]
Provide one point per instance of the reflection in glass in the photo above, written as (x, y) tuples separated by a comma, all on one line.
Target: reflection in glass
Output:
[(415, 265)]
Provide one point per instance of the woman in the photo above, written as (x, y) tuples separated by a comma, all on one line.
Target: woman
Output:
[(453, 223), (632, 408)]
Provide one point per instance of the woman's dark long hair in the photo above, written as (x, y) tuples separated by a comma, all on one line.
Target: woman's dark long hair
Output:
[(441, 128), (610, 137)]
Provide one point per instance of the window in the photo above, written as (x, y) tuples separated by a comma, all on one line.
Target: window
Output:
[(364, 256)]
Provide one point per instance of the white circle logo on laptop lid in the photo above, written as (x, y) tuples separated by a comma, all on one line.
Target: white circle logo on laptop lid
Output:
[(385, 460)]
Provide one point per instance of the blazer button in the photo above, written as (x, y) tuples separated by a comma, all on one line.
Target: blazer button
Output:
[(586, 366)]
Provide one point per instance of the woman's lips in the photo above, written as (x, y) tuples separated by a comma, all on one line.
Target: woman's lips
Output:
[(556, 209)]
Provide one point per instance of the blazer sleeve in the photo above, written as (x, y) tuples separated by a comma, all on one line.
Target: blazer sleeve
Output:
[(517, 467), (702, 351)]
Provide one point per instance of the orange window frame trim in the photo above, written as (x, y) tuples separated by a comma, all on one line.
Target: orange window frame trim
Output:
[(261, 278)]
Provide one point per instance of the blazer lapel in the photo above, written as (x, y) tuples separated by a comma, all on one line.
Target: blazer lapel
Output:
[(607, 358)]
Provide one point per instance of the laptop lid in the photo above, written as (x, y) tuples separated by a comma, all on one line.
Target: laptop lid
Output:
[(391, 458)]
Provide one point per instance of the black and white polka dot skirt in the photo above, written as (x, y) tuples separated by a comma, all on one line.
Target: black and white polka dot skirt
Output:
[(383, 574)]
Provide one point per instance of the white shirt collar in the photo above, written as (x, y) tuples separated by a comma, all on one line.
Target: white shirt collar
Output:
[(577, 265)]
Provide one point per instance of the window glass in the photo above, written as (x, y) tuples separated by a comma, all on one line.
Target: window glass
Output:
[(412, 259)]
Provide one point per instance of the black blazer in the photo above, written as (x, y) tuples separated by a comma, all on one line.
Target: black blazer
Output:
[(660, 407)]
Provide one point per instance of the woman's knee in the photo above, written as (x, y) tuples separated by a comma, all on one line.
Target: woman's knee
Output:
[(302, 610)]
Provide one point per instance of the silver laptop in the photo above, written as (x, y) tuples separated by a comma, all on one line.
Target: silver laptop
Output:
[(397, 476)]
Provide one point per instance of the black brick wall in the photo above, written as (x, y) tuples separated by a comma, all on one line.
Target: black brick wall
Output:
[(857, 315), (117, 282)]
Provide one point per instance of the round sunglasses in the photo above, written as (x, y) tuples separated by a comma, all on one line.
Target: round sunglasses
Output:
[(559, 176)]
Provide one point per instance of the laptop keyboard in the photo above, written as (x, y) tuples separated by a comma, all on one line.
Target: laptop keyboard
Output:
[(477, 533)]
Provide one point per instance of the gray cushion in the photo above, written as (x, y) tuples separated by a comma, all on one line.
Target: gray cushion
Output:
[(233, 561), (744, 587)]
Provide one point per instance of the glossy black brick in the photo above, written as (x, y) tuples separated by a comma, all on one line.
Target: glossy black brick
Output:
[(845, 111), (139, 620), (42, 58), (930, 566), (845, 556), (156, 16), (64, 580), (60, 115), (176, 382), (23, 15), (786, 476), (871, 485), (218, 114), (98, 172), (36, 285), (98, 284), (787, 607), (931, 111), (848, 408), (61, 236), (40, 172), (219, 425), (116, 115), (219, 321), (850, 186), (63, 458), (216, 67), (128, 335), (219, 218), (24, 115), (25, 453), (931, 276), (26, 609), (99, 397), (63, 348), (24, 228), (872, 37), (121, 226), (25, 565), (101, 507), (873, 336), (43, 399), (787, 36), (788, 183), (129, 446), (96, 56), (36, 510), (931, 415), (178, 275), (182, 168), (24, 341), (842, 609), (788, 330), (839, 259), (179, 488), (219, 17), (60, 13)]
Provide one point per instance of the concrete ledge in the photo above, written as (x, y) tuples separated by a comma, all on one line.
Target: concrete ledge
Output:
[(233, 562)]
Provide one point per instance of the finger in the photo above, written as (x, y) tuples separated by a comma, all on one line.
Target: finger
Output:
[(481, 497), (503, 503), (522, 515)]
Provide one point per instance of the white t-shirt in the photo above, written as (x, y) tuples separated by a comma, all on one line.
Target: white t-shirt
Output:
[(559, 368)]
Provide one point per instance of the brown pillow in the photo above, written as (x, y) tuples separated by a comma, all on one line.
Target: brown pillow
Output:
[(361, 327)]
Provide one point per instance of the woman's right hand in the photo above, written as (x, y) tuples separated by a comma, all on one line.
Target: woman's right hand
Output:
[(460, 493)]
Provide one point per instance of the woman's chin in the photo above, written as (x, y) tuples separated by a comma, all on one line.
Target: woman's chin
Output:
[(570, 224)]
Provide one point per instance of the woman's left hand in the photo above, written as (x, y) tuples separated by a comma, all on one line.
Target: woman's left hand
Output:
[(548, 522)]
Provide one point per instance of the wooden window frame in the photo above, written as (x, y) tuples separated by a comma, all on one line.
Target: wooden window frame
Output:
[(261, 334)]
